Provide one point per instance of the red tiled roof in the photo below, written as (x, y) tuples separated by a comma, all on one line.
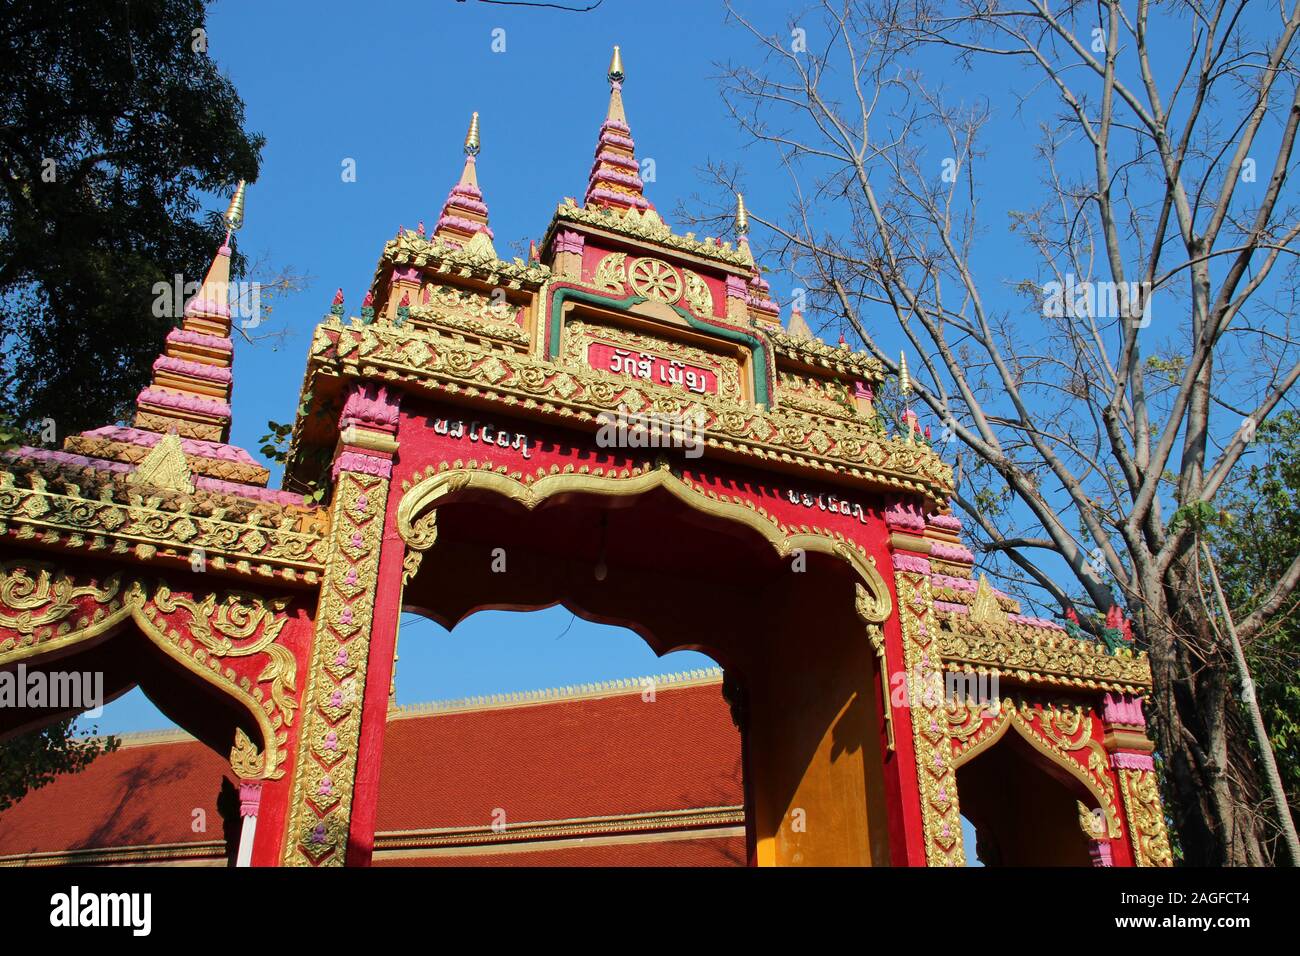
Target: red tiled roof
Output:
[(137, 796), (563, 759)]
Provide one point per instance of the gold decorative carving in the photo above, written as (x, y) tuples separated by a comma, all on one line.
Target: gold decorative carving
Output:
[(47, 611), (936, 780), (425, 494), (854, 449), (650, 227), (325, 773), (165, 467), (1146, 818), (469, 311), (609, 275), (114, 517), (1055, 731), (985, 609), (655, 279), (698, 296), (1039, 655)]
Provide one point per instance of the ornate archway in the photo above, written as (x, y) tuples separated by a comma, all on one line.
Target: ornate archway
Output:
[(624, 370)]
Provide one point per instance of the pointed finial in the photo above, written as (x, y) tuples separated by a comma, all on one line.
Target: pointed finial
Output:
[(742, 217), (904, 380), (235, 211), (471, 138), (338, 297), (616, 67)]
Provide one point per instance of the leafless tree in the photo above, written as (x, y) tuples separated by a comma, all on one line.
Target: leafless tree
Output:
[(1103, 371)]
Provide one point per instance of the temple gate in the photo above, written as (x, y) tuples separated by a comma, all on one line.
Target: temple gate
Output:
[(622, 424)]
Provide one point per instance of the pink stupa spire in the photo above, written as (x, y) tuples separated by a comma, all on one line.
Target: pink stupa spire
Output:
[(465, 214), (615, 175)]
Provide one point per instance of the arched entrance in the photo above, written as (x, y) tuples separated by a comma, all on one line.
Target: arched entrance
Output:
[(688, 577)]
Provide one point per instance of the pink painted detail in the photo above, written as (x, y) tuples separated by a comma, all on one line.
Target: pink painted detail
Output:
[(200, 370), (615, 159), (956, 584), (467, 190), (464, 225), (945, 522), (1124, 709), (904, 516), (566, 241), (736, 288), (362, 464), (370, 407), (190, 403), (218, 451), (346, 616), (951, 552), (406, 275), (351, 578), (617, 178), (269, 495), (912, 563), (206, 307), (467, 204), (67, 458), (1128, 760), (332, 741), (341, 658), (250, 798), (1100, 852), (218, 342), (614, 139), (336, 699), (860, 390), (617, 126), (622, 199)]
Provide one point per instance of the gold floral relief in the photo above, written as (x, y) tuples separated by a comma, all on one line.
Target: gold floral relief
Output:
[(1146, 818), (43, 610), (467, 310), (937, 781), (323, 780)]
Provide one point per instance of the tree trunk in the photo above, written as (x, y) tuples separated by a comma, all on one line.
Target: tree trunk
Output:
[(1208, 768)]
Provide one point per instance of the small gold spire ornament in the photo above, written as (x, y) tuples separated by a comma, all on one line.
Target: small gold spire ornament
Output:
[(235, 211), (742, 217), (471, 138), (616, 67), (904, 380)]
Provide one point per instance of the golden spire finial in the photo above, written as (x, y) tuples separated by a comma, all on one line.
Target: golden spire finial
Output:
[(616, 67), (471, 138), (904, 380), (235, 211), (742, 217)]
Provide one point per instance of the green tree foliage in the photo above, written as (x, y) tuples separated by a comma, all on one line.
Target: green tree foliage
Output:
[(1256, 539), (113, 123), (30, 761)]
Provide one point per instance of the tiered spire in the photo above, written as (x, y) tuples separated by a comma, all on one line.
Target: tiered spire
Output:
[(615, 175), (180, 436), (465, 215), (192, 379)]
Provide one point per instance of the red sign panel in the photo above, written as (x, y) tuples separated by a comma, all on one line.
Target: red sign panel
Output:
[(652, 368)]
